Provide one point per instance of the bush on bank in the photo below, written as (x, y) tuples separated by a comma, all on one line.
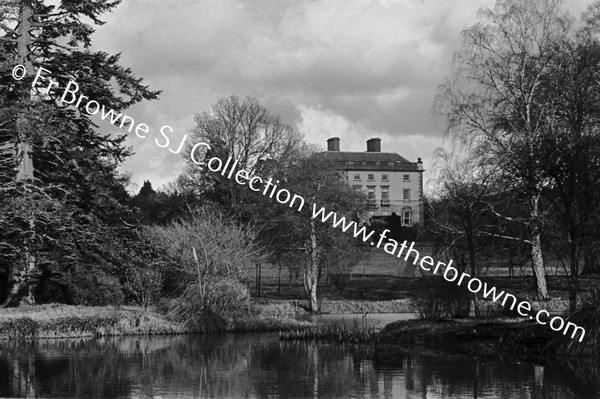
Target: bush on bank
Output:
[(587, 316), (437, 299), (206, 256)]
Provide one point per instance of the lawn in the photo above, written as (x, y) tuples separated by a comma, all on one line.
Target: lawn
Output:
[(381, 277)]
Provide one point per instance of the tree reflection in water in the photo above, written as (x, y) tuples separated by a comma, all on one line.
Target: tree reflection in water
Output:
[(261, 366)]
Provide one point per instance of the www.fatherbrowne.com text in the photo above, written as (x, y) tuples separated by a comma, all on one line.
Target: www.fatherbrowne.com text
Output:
[(268, 187)]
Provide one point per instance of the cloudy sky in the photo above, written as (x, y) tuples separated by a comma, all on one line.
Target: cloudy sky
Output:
[(355, 69)]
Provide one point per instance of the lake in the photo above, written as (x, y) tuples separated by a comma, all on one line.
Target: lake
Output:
[(259, 365), (359, 320)]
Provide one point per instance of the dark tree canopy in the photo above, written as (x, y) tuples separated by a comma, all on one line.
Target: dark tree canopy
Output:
[(63, 200)]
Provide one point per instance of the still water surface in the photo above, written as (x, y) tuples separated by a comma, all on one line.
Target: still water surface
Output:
[(359, 320), (261, 366)]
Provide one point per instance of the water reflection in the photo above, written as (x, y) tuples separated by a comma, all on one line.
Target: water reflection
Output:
[(260, 366), (359, 320)]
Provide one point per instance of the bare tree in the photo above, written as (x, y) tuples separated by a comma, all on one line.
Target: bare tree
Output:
[(572, 145), (248, 133), (497, 99), (463, 222), (212, 254)]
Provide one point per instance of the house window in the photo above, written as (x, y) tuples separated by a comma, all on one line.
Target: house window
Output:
[(407, 216), (385, 196), (406, 194), (371, 203), (356, 177), (406, 178), (371, 193), (357, 187), (384, 177), (371, 177)]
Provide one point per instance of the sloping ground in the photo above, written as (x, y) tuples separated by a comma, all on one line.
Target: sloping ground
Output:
[(379, 263)]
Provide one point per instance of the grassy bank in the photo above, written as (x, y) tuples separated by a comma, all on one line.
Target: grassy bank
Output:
[(508, 337), (63, 321), (289, 307), (357, 306)]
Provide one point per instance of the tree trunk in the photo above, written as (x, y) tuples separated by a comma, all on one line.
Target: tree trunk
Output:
[(258, 278), (24, 147), (279, 279), (476, 377), (311, 271), (539, 272), (537, 261), (590, 263), (574, 275), (21, 291), (473, 263)]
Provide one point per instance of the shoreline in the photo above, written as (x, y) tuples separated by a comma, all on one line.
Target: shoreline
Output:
[(57, 321), (502, 337)]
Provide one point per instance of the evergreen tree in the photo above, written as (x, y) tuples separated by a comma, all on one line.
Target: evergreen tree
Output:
[(63, 203)]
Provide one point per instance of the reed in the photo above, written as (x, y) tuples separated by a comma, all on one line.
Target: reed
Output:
[(269, 324), (341, 334)]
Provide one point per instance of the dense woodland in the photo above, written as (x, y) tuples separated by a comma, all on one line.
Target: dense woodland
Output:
[(519, 179)]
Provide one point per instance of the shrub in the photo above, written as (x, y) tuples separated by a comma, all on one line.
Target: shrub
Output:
[(144, 284), (210, 307), (210, 254), (339, 280), (439, 299), (94, 288)]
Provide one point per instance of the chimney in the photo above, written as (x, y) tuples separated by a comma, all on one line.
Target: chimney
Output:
[(333, 144), (374, 145), (419, 164)]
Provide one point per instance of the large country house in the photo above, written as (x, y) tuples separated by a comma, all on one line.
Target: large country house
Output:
[(391, 182)]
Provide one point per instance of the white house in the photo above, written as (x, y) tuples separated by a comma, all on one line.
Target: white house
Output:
[(391, 182)]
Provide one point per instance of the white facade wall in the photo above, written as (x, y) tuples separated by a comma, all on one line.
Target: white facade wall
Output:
[(396, 183)]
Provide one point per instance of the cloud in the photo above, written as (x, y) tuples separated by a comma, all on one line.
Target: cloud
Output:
[(355, 69)]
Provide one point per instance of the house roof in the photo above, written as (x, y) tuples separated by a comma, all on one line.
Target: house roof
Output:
[(375, 161), (344, 156)]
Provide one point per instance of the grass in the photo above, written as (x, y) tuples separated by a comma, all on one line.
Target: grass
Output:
[(62, 321), (293, 307), (354, 306), (334, 333), (270, 324), (278, 308), (381, 277)]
